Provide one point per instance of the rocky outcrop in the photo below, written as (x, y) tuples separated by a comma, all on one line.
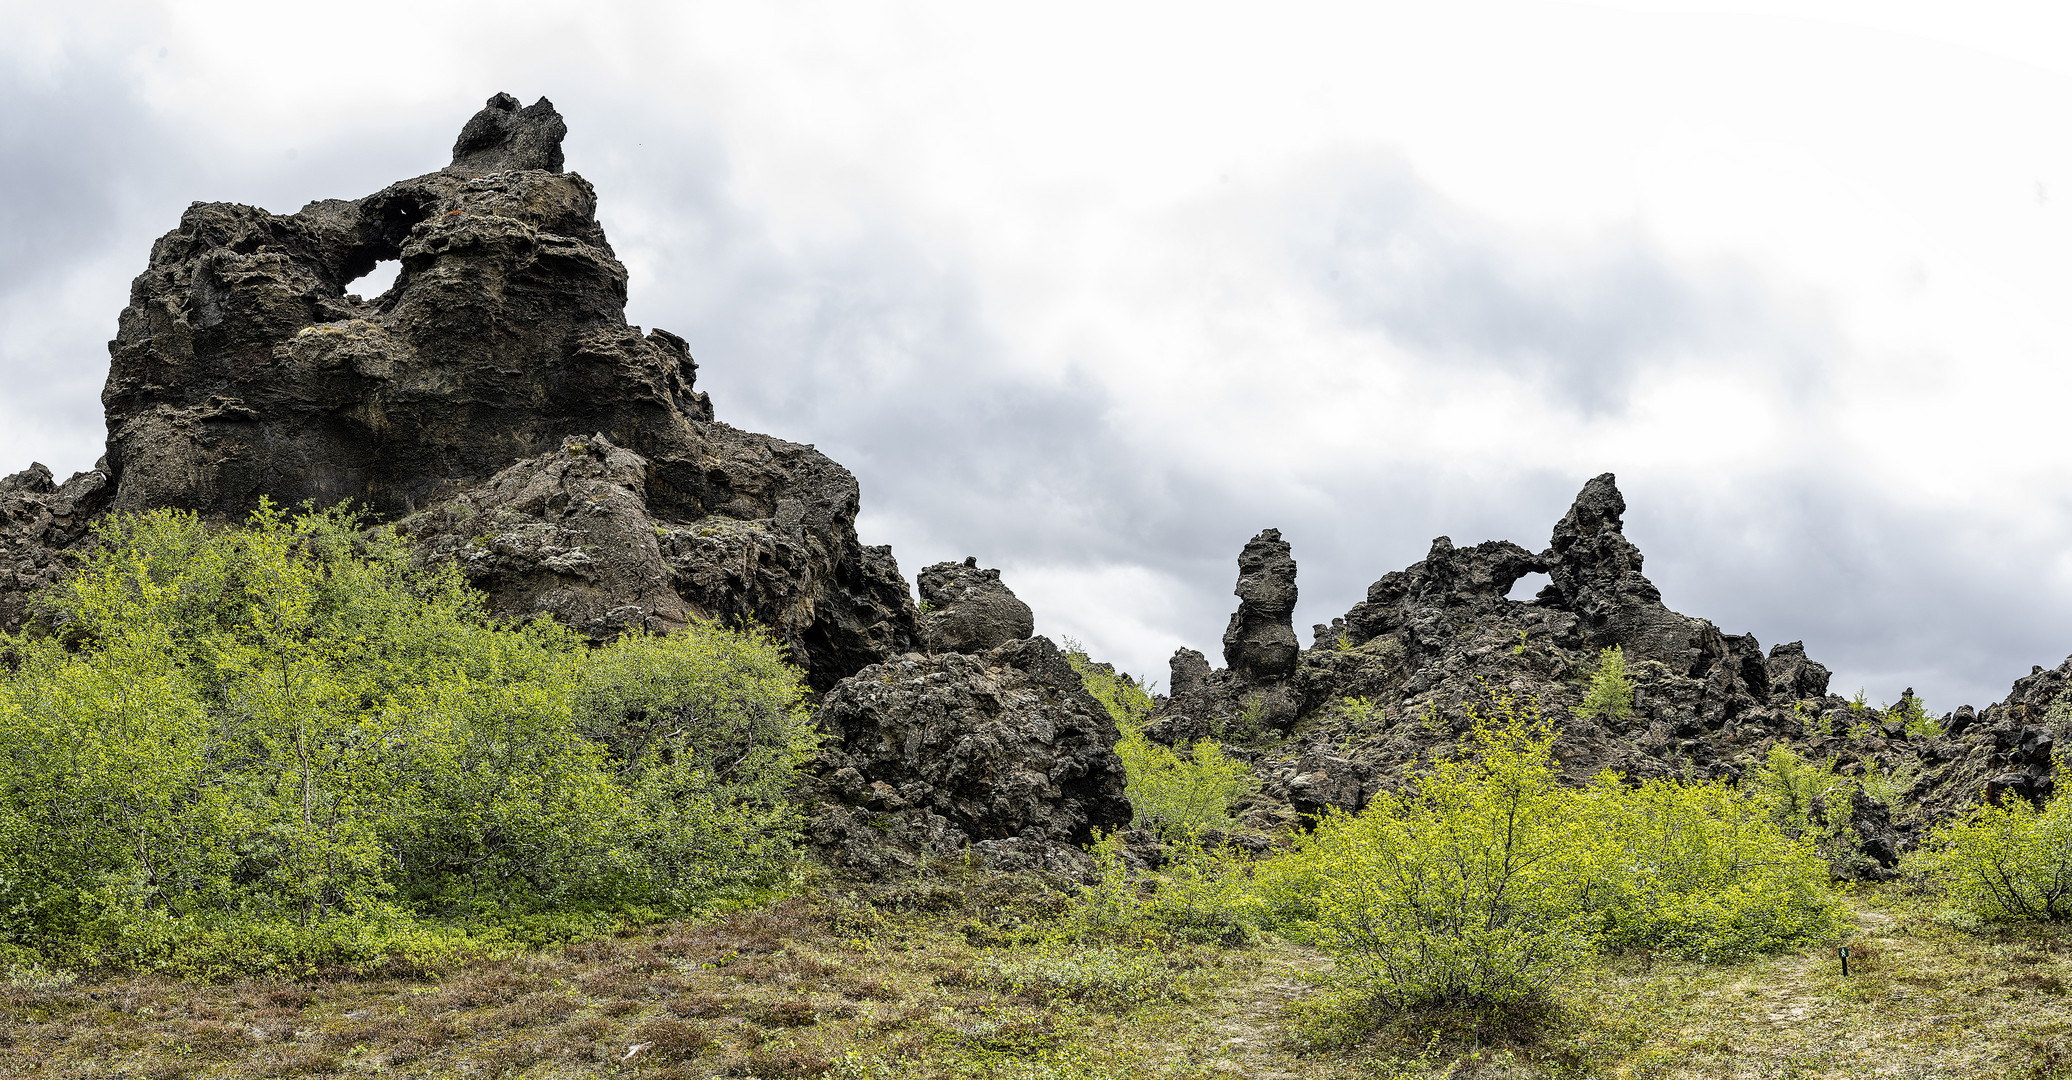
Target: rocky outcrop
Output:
[(504, 137), (966, 609), (1256, 692), (1001, 756), (573, 534), (1395, 682), (494, 396), (1260, 644), (39, 522), (2006, 751), (495, 405)]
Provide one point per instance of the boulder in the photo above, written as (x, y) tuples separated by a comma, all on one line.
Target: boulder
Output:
[(969, 610), (1325, 782), (1001, 757)]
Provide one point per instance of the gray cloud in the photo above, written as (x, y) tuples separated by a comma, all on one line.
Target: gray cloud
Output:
[(1583, 320)]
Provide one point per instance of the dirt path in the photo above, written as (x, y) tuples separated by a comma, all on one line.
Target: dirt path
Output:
[(1246, 1023)]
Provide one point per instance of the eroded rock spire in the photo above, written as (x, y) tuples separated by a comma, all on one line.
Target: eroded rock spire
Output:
[(503, 136)]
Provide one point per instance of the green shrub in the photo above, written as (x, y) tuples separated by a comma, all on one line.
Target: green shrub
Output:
[(1703, 872), (1180, 793), (1803, 797), (1202, 894), (285, 744), (1489, 881), (1611, 690), (1462, 891), (1182, 796), (1910, 711), (1813, 802), (2005, 862)]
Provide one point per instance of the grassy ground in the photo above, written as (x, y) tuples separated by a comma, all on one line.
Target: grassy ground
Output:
[(940, 980)]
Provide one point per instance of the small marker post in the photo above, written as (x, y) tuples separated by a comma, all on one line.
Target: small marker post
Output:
[(1844, 950)]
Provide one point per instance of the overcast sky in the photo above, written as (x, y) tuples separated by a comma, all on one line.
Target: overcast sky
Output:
[(1094, 292)]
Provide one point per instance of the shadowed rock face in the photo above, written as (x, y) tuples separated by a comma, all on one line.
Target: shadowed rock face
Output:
[(494, 399), (39, 521), (1003, 752), (242, 369)]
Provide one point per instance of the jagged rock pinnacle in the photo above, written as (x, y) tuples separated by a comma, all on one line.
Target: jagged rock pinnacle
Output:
[(503, 136)]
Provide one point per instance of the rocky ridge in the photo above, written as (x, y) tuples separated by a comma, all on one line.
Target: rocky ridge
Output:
[(1388, 687)]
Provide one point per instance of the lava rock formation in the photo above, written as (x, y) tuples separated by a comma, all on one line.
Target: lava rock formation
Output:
[(242, 371)]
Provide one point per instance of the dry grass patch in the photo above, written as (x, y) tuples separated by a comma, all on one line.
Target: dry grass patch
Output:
[(885, 982)]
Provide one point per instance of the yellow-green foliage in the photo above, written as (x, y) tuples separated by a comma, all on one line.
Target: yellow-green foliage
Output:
[(1490, 880), (1178, 793), (2005, 862), (1611, 690), (1920, 724), (286, 744), (1701, 870), (1802, 796), (1457, 891), (1202, 893)]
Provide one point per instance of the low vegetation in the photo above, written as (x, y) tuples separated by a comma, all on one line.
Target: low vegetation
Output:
[(286, 746), (1178, 792), (998, 978), (277, 801)]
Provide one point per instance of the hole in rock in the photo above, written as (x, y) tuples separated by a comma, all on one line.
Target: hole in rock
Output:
[(376, 281), (1529, 586)]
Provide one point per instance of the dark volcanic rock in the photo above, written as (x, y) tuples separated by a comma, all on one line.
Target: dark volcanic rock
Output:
[(970, 610), (503, 136), (1255, 693), (1792, 676), (2005, 750), (242, 370), (1004, 753), (572, 534), (1260, 644), (39, 522), (1391, 685)]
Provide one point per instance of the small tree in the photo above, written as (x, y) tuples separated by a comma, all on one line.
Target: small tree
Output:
[(2004, 862), (1471, 888), (1611, 690), (1178, 791)]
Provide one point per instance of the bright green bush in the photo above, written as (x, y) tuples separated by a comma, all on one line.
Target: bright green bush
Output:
[(1180, 793), (1463, 890), (1704, 872), (2005, 862), (286, 743), (1202, 893), (1611, 689), (1490, 880)]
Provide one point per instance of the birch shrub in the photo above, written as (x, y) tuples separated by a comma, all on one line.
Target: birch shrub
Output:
[(1180, 792), (1489, 880), (2009, 862), (287, 744)]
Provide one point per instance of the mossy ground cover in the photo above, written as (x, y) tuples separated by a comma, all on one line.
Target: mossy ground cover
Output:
[(955, 979)]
